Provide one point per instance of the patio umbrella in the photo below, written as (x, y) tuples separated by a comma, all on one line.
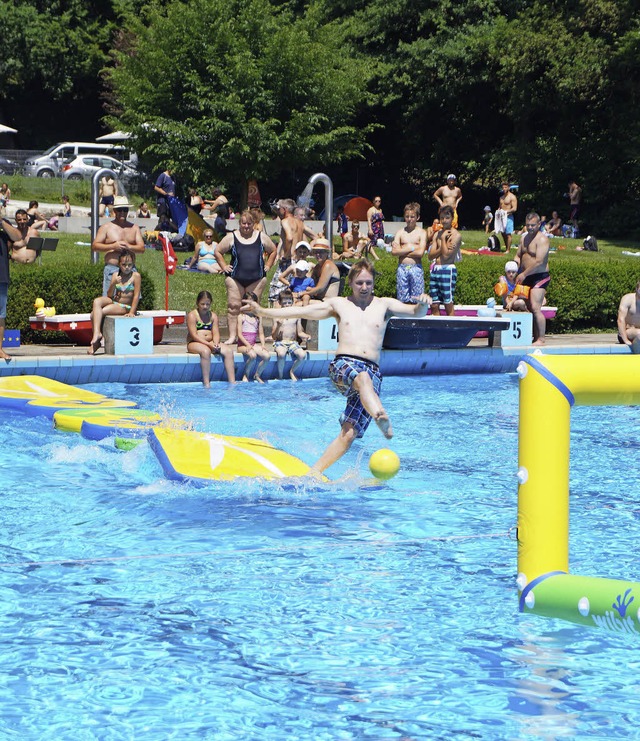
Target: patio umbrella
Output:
[(114, 136), (356, 208), (7, 130)]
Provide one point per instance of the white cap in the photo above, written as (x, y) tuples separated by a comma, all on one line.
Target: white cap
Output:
[(303, 265), (451, 177), (511, 265), (303, 244), (487, 208)]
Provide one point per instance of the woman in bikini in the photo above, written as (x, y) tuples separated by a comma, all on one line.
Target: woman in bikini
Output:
[(247, 272), (121, 299), (325, 273), (203, 339), (204, 256)]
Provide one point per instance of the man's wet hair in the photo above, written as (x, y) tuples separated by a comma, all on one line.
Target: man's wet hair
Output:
[(359, 267)]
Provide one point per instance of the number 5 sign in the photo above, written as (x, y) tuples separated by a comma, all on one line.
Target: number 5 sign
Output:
[(520, 331)]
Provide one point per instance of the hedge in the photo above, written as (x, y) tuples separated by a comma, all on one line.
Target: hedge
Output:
[(586, 291), (70, 289)]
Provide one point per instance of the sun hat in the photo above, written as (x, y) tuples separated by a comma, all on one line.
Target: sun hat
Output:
[(303, 265), (121, 202), (302, 243), (321, 244), (511, 265)]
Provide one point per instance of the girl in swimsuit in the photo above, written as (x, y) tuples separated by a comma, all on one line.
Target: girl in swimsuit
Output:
[(325, 273), (121, 299), (203, 339), (204, 256), (247, 271), (251, 342)]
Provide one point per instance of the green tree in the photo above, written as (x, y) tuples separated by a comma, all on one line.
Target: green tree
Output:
[(233, 90)]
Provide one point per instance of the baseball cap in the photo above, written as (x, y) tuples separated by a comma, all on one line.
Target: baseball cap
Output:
[(511, 265), (302, 243), (451, 177), (487, 208), (303, 265)]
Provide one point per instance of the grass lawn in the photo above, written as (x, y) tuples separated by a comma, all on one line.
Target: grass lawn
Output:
[(51, 190)]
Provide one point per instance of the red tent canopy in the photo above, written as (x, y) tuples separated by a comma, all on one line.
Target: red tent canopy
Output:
[(356, 208)]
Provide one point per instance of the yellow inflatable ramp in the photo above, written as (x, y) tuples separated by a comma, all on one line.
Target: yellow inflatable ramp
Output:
[(17, 391), (200, 456)]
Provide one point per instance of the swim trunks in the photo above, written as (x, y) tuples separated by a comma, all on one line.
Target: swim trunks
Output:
[(343, 371), (509, 226), (442, 283), (409, 282), (537, 280), (291, 347), (107, 200)]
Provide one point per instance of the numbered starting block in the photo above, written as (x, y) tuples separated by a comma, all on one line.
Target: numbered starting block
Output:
[(520, 331), (125, 335)]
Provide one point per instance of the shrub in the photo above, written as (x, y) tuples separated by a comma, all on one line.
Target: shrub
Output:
[(70, 289)]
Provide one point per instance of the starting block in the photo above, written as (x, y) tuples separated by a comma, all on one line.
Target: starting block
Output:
[(125, 335)]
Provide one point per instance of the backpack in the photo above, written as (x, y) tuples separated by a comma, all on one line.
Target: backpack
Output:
[(493, 243), (185, 243), (590, 244)]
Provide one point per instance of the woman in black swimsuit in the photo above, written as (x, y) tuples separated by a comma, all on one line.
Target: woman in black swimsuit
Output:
[(248, 270), (325, 273)]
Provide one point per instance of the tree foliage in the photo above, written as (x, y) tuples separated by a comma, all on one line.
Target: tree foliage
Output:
[(236, 89)]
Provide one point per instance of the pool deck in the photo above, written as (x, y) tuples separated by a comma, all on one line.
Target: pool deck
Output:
[(171, 363)]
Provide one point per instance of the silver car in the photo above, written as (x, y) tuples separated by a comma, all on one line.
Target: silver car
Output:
[(84, 166)]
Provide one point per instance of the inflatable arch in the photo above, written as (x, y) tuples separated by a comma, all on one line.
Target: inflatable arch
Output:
[(554, 384)]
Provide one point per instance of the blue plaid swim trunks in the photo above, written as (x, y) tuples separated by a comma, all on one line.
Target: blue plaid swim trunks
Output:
[(343, 371)]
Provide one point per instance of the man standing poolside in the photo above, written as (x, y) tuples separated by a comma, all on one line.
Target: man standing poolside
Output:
[(362, 320), (409, 246), (575, 201), (449, 195), (504, 219), (113, 237), (20, 251), (629, 320), (291, 232), (532, 258), (8, 233)]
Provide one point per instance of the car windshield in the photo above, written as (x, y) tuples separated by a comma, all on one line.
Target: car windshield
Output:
[(48, 151)]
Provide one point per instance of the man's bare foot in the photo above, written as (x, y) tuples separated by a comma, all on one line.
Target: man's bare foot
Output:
[(245, 379), (206, 384), (258, 379), (539, 342), (384, 423), (4, 356), (95, 344), (231, 341)]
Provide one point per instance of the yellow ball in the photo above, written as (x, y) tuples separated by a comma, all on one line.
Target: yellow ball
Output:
[(384, 464)]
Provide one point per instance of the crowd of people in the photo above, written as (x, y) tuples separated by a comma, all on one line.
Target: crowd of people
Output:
[(306, 284)]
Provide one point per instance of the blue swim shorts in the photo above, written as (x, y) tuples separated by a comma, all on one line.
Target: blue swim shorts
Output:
[(509, 226), (4, 289), (442, 284), (343, 371), (409, 283)]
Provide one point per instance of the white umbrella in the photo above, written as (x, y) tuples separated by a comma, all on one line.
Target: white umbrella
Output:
[(114, 136), (7, 130)]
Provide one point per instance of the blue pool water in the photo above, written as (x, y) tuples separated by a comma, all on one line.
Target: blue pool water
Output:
[(251, 611)]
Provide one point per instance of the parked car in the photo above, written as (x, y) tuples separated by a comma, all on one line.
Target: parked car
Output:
[(84, 166), (47, 164), (7, 166)]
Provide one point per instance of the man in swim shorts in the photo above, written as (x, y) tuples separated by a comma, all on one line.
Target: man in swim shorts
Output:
[(8, 233), (533, 271), (504, 220), (449, 195), (362, 320)]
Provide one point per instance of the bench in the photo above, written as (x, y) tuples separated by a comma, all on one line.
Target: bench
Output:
[(78, 327)]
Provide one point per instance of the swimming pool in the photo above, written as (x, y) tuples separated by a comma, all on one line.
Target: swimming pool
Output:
[(252, 611)]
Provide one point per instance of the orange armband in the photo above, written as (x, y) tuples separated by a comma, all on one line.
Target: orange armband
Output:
[(521, 291)]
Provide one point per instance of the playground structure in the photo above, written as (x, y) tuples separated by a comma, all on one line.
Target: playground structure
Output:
[(549, 387)]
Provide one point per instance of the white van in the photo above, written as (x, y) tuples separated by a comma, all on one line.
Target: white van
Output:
[(48, 164)]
